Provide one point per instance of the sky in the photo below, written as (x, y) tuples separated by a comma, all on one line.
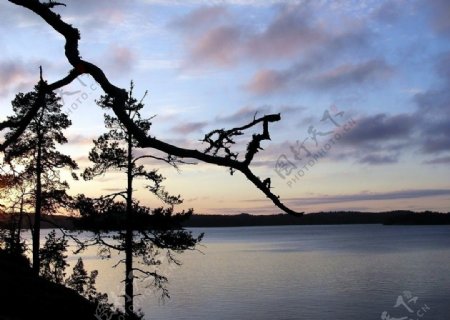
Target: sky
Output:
[(363, 89)]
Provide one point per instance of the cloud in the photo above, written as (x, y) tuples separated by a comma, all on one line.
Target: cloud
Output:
[(257, 3), (16, 76), (268, 81), (374, 159), (433, 108), (120, 59), (379, 139), (389, 12), (295, 30), (353, 74), (189, 127), (380, 128), (298, 77), (441, 160), (245, 114), (113, 190), (436, 144), (95, 14), (290, 32), (200, 18), (439, 16), (219, 46), (80, 139), (367, 196)]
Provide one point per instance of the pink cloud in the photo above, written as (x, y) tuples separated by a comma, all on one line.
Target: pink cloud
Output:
[(189, 127), (121, 59), (219, 46), (265, 81), (292, 31), (200, 18), (16, 76)]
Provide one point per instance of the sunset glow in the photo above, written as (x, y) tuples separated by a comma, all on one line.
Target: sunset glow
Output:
[(382, 66)]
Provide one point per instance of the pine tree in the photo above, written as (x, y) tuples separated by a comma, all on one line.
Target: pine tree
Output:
[(156, 229), (36, 151), (79, 278), (84, 284), (53, 258)]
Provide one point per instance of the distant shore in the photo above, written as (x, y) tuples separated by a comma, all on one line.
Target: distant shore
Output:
[(402, 217)]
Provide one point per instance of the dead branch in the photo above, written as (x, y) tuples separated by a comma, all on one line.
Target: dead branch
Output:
[(72, 36)]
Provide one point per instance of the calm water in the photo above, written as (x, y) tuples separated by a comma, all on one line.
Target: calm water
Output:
[(303, 272)]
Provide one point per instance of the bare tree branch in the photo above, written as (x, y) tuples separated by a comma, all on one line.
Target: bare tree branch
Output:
[(170, 160), (52, 4), (72, 36)]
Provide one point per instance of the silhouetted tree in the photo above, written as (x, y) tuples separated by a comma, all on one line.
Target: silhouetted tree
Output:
[(116, 150), (79, 279), (10, 239), (53, 258), (84, 284), (35, 150)]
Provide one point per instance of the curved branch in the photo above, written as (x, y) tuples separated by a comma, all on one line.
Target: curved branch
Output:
[(72, 36)]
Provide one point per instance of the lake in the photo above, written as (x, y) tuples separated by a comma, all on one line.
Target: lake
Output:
[(302, 272)]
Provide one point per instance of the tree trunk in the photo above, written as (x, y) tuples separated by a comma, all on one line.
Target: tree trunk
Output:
[(19, 223), (129, 290), (38, 208)]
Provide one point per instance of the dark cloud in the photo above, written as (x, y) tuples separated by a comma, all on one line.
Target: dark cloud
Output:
[(433, 108), (374, 159), (299, 78), (389, 12), (441, 160), (436, 144), (353, 74), (189, 127), (434, 100), (394, 195), (379, 138), (381, 128), (439, 16), (443, 66)]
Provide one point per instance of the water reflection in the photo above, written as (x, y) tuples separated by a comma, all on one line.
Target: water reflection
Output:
[(300, 272)]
